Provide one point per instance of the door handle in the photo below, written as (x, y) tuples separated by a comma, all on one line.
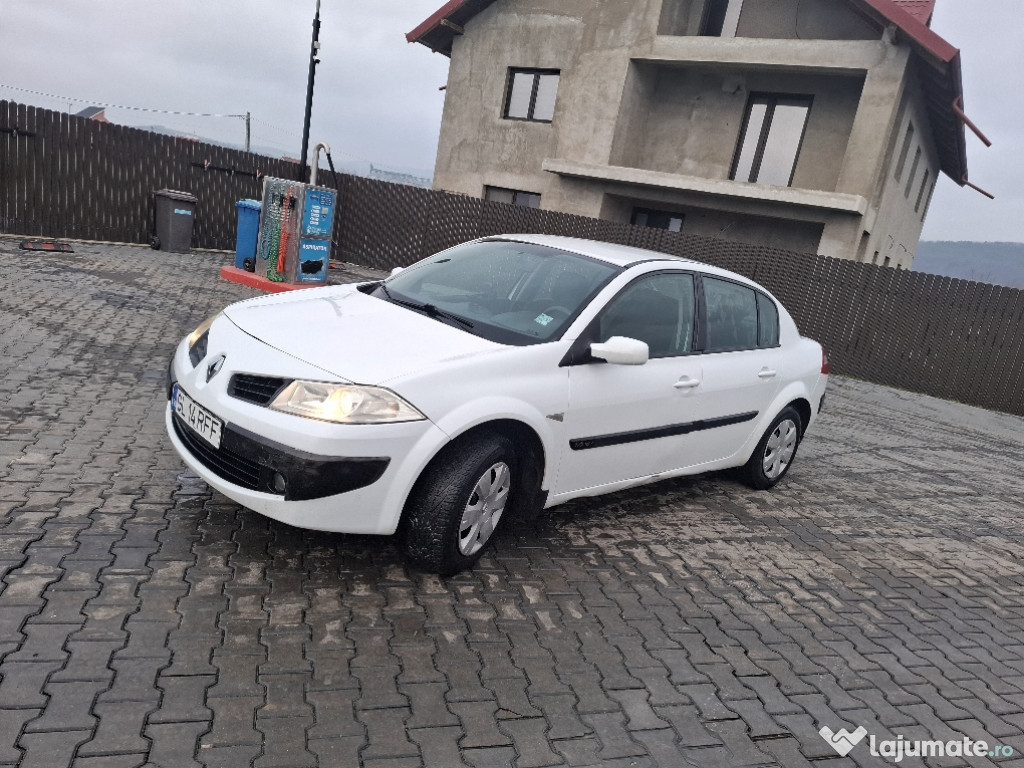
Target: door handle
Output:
[(767, 374), (687, 383)]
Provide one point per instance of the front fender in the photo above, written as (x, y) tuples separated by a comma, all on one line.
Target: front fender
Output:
[(498, 408)]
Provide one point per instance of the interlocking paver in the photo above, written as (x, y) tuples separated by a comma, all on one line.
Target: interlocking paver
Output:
[(45, 750), (174, 744), (119, 730), (145, 619)]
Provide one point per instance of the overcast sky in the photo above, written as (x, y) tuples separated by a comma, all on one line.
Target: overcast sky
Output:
[(377, 97)]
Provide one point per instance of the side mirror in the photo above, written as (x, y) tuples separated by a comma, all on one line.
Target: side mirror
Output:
[(620, 350), (396, 270)]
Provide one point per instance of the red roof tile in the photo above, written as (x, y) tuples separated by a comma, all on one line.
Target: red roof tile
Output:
[(919, 9)]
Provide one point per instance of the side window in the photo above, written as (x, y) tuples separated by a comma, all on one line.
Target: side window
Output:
[(658, 309), (732, 315), (767, 322)]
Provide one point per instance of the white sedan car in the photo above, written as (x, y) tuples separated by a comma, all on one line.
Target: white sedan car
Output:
[(488, 382)]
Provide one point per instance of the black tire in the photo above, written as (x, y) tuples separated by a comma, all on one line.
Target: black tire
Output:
[(435, 537), (775, 451)]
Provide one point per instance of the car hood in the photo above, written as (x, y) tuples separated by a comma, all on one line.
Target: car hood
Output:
[(353, 336)]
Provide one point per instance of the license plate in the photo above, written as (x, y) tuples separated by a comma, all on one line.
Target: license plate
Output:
[(202, 422)]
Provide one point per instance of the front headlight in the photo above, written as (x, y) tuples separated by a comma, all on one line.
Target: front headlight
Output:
[(202, 328), (344, 403), (198, 339)]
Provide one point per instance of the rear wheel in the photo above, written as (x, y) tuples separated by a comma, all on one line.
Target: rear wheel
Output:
[(459, 503), (775, 451)]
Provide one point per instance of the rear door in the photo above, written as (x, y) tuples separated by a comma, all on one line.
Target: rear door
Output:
[(742, 363)]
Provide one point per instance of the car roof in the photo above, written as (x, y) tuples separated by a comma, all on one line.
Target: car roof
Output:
[(623, 255), (619, 255)]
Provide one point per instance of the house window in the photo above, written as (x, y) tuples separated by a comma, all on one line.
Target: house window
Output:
[(770, 141), (512, 197), (928, 199), (908, 138), (646, 217), (920, 192), (913, 173), (721, 18), (531, 94)]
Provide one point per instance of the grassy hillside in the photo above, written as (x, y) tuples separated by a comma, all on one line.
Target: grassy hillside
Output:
[(998, 263)]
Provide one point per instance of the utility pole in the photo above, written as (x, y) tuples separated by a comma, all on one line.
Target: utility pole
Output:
[(248, 132), (314, 49)]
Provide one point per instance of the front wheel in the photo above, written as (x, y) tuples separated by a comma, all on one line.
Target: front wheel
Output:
[(459, 503), (775, 451)]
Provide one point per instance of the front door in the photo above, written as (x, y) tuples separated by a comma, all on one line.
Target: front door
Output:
[(629, 422)]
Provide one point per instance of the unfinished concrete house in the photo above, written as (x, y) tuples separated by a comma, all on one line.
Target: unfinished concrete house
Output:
[(813, 125)]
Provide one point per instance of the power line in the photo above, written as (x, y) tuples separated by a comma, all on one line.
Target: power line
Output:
[(281, 130), (116, 106)]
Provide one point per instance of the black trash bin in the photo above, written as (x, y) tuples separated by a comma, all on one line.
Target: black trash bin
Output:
[(175, 212)]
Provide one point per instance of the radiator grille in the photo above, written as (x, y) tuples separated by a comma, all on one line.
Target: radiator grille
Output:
[(255, 389)]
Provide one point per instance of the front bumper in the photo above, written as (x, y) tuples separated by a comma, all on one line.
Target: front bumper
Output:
[(332, 477), (259, 464)]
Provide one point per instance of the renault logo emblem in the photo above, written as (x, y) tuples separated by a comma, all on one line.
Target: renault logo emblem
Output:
[(214, 368)]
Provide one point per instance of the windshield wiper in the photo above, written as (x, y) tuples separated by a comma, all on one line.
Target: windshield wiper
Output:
[(428, 309)]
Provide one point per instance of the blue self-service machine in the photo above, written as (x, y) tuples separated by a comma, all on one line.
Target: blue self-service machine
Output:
[(315, 241)]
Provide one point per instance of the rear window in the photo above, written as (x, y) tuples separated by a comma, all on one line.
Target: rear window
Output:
[(731, 315)]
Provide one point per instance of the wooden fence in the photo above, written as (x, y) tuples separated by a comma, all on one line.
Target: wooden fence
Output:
[(68, 177)]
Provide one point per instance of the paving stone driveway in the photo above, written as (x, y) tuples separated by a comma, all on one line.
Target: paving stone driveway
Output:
[(145, 620)]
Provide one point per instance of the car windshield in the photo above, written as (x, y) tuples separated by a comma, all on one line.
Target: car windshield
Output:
[(509, 292)]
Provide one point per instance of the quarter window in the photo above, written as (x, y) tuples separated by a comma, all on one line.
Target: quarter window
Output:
[(658, 310), (531, 94), (767, 322), (770, 142)]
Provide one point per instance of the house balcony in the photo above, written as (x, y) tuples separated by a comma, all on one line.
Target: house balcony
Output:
[(838, 57), (800, 203), (822, 56)]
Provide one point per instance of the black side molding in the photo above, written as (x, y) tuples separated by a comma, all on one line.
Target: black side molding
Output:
[(639, 435)]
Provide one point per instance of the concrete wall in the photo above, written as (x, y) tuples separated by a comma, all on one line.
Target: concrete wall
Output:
[(775, 19), (618, 105), (587, 40), (804, 20), (801, 236), (687, 120), (897, 226)]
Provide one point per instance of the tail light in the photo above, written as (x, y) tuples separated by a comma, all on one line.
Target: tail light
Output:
[(824, 361)]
